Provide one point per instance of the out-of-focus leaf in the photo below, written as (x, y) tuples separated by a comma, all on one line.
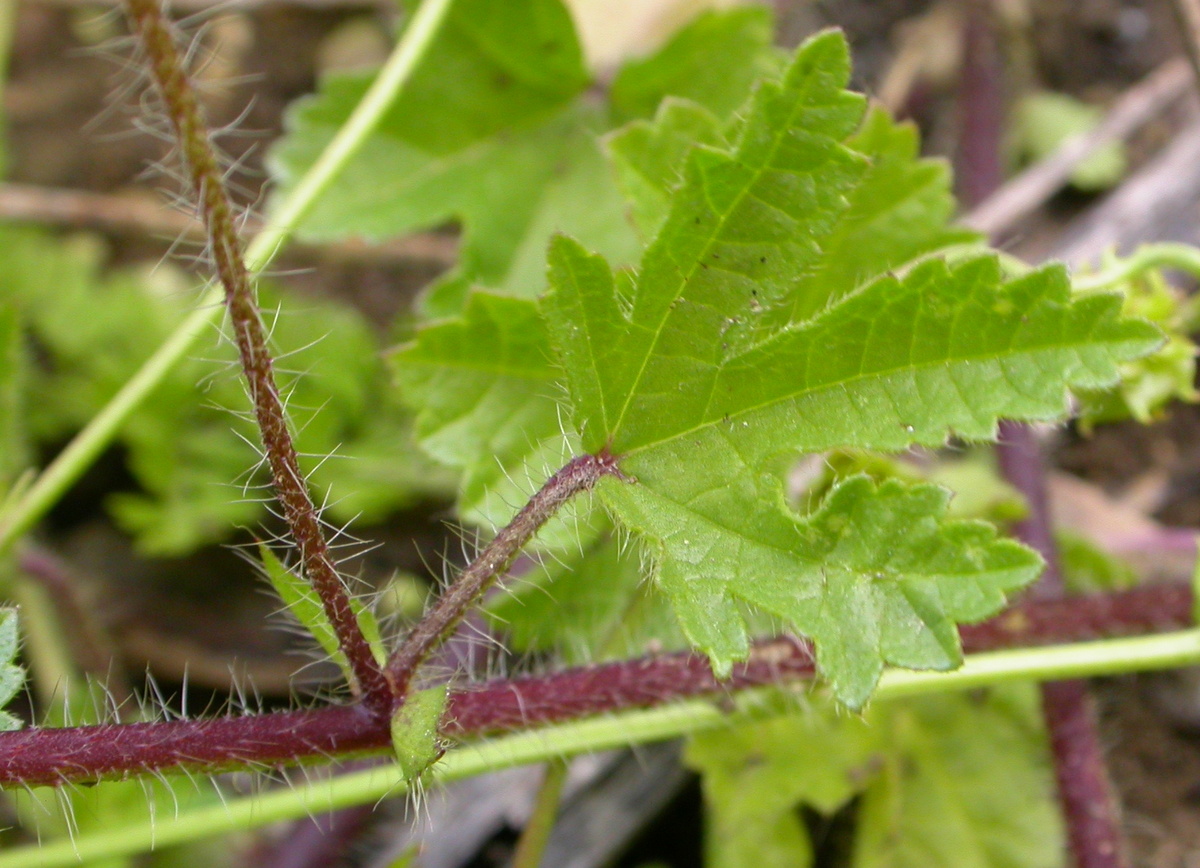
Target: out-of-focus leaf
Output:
[(1044, 120), (1148, 384), (946, 799), (757, 777)]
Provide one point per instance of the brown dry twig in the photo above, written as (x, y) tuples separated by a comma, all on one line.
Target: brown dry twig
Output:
[(1000, 213)]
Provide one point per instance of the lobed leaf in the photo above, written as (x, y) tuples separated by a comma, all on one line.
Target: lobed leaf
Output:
[(559, 181), (874, 576), (746, 223), (713, 61), (749, 333), (486, 392)]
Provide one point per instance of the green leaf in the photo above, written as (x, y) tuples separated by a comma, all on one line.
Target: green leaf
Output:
[(898, 363), (14, 456), (949, 781), (415, 739), (511, 155), (186, 446), (755, 778), (486, 393), (900, 211), (874, 576), (1149, 384), (719, 355), (491, 67), (586, 606), (1043, 121), (965, 784), (747, 223), (713, 61), (649, 156), (12, 677), (947, 350), (490, 133)]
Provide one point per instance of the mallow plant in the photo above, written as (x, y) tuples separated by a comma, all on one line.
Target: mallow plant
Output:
[(669, 297)]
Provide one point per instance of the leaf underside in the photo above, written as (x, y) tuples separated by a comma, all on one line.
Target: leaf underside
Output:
[(790, 300), (722, 353)]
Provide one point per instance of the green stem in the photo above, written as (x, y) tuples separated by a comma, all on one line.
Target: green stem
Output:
[(1053, 663), (1183, 257), (532, 845), (79, 454)]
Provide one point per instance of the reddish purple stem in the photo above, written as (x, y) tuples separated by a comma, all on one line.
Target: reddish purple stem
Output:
[(217, 212), (1085, 794), (35, 757), (579, 474)]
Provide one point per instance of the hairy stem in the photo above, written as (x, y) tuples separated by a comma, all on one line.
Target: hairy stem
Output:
[(579, 474), (1085, 791), (619, 729), (83, 449), (217, 213), (1084, 787), (80, 754)]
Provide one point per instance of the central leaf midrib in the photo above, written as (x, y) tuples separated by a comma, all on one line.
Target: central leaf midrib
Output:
[(812, 390)]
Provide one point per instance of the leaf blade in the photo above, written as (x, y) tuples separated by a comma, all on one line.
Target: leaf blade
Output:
[(12, 676)]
